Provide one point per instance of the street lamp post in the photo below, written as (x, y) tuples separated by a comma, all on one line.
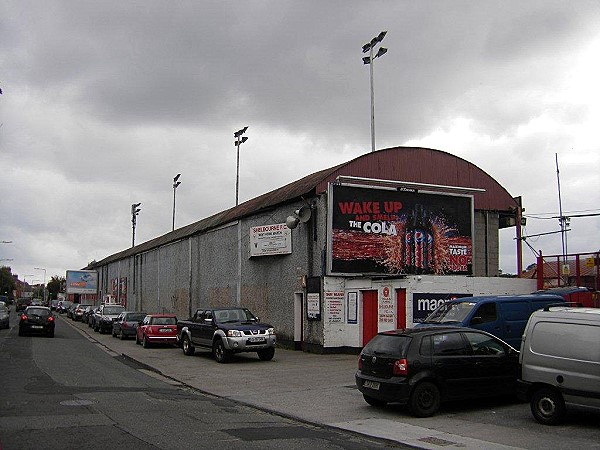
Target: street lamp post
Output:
[(41, 268), (239, 140), (175, 185), (369, 47), (134, 212)]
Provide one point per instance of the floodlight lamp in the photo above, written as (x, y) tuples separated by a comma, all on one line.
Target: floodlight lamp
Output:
[(244, 139), (374, 42), (381, 36), (366, 47), (176, 177), (382, 51), (176, 184), (366, 60)]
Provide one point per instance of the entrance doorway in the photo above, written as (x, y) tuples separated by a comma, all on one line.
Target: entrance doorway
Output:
[(370, 317), (401, 308)]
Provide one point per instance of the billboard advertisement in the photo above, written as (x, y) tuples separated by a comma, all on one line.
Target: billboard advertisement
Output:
[(82, 282), (383, 231), (425, 303)]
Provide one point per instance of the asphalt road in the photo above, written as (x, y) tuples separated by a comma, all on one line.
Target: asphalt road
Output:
[(319, 389), (72, 392)]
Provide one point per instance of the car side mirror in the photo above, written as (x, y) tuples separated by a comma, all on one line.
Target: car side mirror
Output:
[(476, 320)]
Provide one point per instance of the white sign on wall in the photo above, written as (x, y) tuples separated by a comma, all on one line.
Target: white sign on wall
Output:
[(387, 309), (334, 302), (274, 239)]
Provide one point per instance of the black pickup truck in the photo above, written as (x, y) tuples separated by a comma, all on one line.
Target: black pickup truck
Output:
[(226, 331)]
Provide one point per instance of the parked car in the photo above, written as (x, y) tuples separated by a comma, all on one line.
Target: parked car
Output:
[(63, 306), (37, 319), (423, 367), (104, 317), (92, 317), (504, 316), (54, 304), (87, 312), (583, 295), (157, 329), (4, 316), (226, 331), (22, 303), (126, 324), (560, 362), (71, 310), (77, 313)]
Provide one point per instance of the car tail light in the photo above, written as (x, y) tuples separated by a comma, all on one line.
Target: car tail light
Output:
[(360, 362), (50, 319), (400, 367), (23, 317)]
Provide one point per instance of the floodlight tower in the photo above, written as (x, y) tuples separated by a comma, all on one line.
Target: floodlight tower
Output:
[(135, 210), (239, 140), (369, 47)]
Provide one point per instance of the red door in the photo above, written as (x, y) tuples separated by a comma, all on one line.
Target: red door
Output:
[(369, 316), (401, 308)]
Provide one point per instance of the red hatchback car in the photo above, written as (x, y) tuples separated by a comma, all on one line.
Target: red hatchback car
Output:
[(157, 329)]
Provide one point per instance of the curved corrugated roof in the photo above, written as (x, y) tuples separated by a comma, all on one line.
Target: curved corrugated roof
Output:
[(412, 164)]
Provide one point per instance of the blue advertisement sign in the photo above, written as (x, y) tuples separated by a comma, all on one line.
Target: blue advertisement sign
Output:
[(82, 282)]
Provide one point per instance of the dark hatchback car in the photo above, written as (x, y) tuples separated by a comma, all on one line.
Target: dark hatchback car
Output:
[(126, 324), (423, 367), (38, 320)]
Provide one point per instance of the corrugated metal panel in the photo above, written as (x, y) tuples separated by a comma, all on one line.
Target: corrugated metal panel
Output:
[(414, 164)]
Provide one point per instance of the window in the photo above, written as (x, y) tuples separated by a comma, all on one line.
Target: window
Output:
[(487, 312), (482, 344), (448, 344)]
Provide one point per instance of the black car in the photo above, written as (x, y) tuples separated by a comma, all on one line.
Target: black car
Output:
[(422, 367), (126, 324), (38, 320)]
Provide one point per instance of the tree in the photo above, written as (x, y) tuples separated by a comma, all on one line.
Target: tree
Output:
[(7, 282), (55, 285)]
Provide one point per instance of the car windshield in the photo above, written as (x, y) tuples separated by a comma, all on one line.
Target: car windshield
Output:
[(234, 315), (113, 310), (164, 321), (37, 312), (135, 317), (451, 312), (387, 344)]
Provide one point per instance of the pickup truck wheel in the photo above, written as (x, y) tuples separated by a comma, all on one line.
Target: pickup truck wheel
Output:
[(221, 354), (188, 348), (266, 354)]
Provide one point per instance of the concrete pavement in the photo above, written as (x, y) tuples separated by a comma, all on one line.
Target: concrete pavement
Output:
[(318, 389)]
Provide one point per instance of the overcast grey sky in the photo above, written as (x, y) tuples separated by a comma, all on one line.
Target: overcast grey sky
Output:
[(104, 102)]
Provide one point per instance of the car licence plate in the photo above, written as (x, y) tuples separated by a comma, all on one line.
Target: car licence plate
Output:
[(256, 340), (164, 330), (371, 385)]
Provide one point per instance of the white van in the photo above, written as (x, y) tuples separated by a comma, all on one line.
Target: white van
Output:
[(560, 362)]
